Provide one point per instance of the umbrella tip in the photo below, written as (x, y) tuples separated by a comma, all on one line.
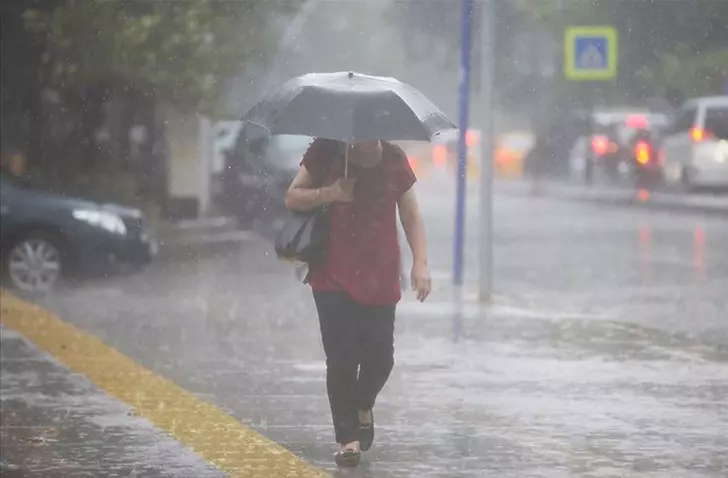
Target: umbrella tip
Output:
[(351, 74)]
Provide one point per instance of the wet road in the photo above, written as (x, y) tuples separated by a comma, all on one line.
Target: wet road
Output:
[(604, 354), (653, 268)]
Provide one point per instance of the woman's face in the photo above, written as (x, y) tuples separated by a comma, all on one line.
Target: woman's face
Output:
[(366, 153)]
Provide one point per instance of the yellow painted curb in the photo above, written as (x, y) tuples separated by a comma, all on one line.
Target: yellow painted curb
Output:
[(216, 436)]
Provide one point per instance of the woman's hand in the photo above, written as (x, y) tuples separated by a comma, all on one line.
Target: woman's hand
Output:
[(409, 214), (302, 196), (342, 190), (421, 281)]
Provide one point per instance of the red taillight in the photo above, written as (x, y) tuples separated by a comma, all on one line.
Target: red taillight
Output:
[(439, 155), (642, 152), (700, 134), (600, 145), (471, 138)]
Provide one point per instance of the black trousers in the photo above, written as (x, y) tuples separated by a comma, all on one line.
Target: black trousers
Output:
[(359, 345)]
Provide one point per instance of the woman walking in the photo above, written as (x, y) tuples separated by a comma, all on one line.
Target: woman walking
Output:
[(356, 286)]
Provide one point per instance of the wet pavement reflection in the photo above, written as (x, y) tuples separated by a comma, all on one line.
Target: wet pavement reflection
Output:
[(604, 353)]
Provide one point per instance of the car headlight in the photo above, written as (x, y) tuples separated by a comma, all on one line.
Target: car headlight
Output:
[(101, 219)]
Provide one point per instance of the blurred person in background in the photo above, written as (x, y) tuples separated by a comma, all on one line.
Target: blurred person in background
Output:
[(555, 136), (356, 287)]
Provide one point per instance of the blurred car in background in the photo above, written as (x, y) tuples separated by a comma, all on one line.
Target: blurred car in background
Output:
[(445, 150), (610, 152), (46, 236), (695, 151), (510, 153), (420, 156), (225, 135), (256, 176)]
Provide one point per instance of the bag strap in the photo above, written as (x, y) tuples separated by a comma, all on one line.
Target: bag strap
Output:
[(332, 157), (323, 175)]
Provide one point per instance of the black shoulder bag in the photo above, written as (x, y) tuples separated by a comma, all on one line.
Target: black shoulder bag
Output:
[(303, 236)]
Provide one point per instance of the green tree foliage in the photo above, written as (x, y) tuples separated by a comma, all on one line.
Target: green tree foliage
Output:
[(663, 44), (90, 71), (692, 75), (178, 51)]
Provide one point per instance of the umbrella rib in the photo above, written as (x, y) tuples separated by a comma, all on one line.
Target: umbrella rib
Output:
[(281, 108), (259, 125)]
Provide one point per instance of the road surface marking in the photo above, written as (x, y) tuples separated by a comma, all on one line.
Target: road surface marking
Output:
[(213, 434)]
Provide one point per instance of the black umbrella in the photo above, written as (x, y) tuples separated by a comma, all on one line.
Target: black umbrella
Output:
[(349, 107)]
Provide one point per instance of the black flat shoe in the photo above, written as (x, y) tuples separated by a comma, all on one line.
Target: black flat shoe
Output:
[(347, 458), (366, 434)]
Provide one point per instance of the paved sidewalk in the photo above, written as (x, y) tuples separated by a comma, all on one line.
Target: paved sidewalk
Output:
[(57, 424), (90, 433)]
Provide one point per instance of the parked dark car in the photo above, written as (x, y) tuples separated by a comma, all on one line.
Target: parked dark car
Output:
[(257, 175), (46, 236)]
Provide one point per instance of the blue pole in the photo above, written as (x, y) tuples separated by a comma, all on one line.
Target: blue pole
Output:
[(467, 14)]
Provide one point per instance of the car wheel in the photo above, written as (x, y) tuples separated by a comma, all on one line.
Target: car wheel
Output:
[(34, 263)]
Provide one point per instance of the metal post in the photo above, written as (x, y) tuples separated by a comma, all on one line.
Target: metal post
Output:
[(588, 101), (467, 13), (346, 160), (204, 149), (486, 151)]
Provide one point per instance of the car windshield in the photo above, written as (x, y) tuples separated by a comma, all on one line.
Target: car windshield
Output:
[(286, 150), (625, 123)]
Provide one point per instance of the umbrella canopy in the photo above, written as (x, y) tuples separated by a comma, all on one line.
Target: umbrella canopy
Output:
[(349, 107)]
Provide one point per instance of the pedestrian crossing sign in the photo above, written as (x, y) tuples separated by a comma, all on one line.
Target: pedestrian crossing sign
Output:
[(590, 53)]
